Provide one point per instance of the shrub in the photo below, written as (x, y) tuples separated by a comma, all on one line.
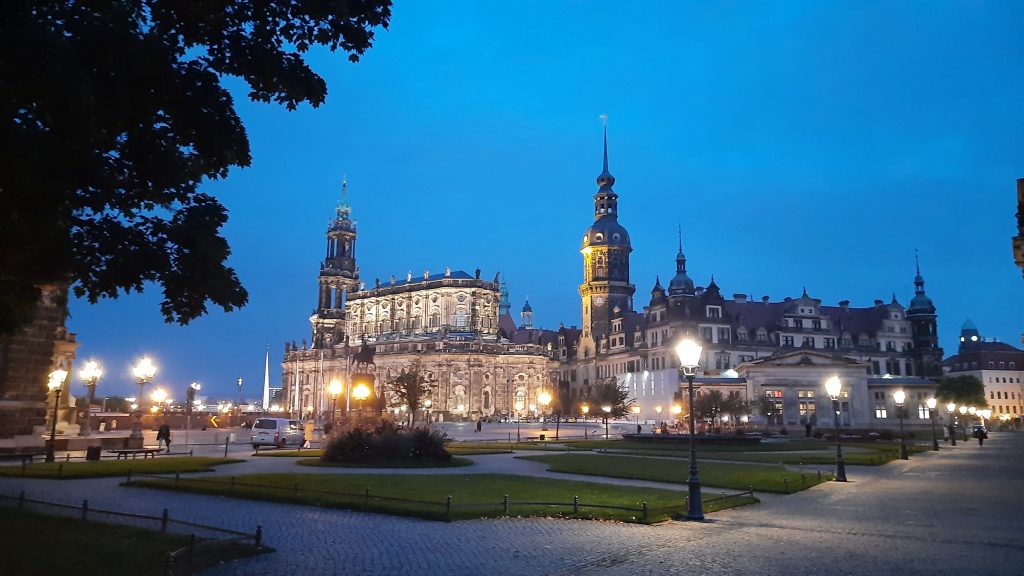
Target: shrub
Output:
[(386, 443), (885, 435), (818, 434)]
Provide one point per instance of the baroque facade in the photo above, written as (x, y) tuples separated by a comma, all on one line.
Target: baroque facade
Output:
[(764, 349), (447, 324), (999, 366)]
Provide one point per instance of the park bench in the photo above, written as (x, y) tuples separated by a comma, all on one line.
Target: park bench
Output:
[(134, 452)]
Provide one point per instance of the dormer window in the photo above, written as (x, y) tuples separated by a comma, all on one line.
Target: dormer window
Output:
[(714, 311)]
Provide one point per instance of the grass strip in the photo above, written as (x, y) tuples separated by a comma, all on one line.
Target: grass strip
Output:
[(32, 543), (758, 477), (473, 495), (453, 463), (73, 470)]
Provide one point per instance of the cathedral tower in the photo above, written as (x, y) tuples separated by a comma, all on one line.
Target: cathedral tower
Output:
[(605, 251), (338, 274)]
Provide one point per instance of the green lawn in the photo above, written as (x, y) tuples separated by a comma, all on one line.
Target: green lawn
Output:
[(473, 495), (760, 478), (453, 463), (34, 544), (160, 465)]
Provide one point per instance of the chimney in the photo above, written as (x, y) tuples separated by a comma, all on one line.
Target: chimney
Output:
[(741, 298), (764, 299), (788, 299), (845, 305), (878, 303)]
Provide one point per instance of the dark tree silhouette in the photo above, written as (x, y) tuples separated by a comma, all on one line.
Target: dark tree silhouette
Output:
[(410, 388), (964, 389), (111, 116)]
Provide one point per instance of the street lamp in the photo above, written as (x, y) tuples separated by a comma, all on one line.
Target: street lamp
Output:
[(190, 404), (544, 399), (607, 411), (900, 397), (55, 384), (144, 371), (586, 410), (636, 414), (931, 415), (689, 360), (90, 374), (951, 408), (963, 425), (335, 389), (426, 408), (361, 392), (676, 410), (519, 408), (834, 387), (158, 396)]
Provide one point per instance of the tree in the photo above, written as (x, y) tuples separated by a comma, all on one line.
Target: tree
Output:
[(410, 389), (609, 394), (965, 390), (112, 116)]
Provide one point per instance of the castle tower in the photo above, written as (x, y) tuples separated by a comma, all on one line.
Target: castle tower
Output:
[(338, 274), (923, 327), (527, 315), (605, 252)]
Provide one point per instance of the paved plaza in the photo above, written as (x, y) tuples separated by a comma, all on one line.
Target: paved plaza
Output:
[(953, 512)]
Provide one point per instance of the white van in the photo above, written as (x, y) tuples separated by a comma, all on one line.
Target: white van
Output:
[(278, 432)]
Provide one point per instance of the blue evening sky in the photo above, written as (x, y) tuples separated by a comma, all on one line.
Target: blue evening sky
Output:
[(798, 144)]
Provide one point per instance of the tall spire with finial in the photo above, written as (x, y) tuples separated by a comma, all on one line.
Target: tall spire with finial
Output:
[(605, 180)]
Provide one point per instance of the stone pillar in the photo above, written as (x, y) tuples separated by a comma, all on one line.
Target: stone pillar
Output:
[(26, 359)]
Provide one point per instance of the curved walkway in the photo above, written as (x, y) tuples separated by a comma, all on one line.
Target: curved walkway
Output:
[(952, 512)]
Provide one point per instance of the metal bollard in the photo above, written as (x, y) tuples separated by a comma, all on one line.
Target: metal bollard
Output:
[(366, 498), (24, 463), (128, 480), (232, 483), (803, 480), (449, 504), (60, 470), (259, 535), (163, 521), (21, 500), (226, 440), (85, 508), (819, 474), (785, 482), (177, 478), (575, 504), (645, 510), (505, 503)]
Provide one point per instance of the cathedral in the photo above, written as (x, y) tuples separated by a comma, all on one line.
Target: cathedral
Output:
[(458, 328)]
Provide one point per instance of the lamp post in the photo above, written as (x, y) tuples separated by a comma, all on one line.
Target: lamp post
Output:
[(361, 392), (607, 412), (963, 425), (931, 415), (335, 389), (585, 409), (951, 409), (143, 373), (157, 396), (544, 399), (519, 408), (55, 384), (676, 410), (190, 403), (636, 414), (426, 408), (90, 374), (900, 397), (689, 360), (834, 388)]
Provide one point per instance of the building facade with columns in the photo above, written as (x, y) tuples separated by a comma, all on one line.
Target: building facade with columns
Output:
[(448, 324)]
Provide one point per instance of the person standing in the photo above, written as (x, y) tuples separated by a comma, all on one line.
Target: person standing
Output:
[(163, 436)]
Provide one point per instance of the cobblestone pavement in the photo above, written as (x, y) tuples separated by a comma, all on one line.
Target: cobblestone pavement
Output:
[(952, 512)]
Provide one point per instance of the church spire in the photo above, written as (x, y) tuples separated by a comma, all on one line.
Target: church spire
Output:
[(605, 180)]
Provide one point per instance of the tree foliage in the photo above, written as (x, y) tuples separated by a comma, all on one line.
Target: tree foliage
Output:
[(609, 394), (965, 389), (113, 114), (712, 404), (410, 388)]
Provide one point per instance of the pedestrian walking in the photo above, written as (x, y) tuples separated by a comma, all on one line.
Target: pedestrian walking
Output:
[(639, 429), (479, 425), (981, 435), (163, 436)]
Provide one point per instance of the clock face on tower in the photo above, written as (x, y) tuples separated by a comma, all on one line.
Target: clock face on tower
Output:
[(598, 300)]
